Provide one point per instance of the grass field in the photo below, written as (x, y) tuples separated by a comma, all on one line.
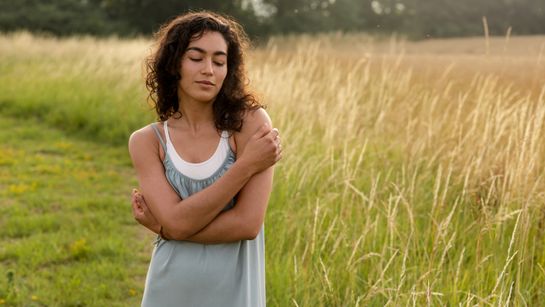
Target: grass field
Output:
[(412, 172), (66, 237)]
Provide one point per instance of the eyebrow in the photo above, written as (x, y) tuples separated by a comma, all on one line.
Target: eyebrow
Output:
[(204, 51)]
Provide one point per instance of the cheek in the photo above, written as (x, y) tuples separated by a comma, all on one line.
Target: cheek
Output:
[(187, 67), (222, 75)]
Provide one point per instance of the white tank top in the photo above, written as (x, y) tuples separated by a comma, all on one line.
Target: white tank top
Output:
[(201, 170)]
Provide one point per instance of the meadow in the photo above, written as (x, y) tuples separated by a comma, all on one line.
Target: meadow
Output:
[(412, 171)]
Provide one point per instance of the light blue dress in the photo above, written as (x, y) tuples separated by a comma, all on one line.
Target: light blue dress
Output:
[(186, 274)]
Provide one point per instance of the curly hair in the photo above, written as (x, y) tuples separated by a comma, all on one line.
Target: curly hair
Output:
[(163, 68)]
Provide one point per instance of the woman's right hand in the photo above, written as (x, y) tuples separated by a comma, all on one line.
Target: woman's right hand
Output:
[(263, 149), (141, 212)]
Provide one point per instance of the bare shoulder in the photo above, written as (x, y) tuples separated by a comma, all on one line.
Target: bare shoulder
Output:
[(251, 122), (142, 140)]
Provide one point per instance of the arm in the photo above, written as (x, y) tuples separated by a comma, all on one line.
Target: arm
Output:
[(183, 218), (243, 222), (245, 219)]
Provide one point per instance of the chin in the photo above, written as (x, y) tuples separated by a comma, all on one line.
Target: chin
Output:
[(205, 98), (204, 95)]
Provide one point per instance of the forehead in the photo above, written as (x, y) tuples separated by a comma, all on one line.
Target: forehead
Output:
[(209, 42)]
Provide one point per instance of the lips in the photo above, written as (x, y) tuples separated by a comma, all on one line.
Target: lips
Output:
[(205, 82)]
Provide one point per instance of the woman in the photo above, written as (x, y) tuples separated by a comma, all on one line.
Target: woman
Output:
[(205, 170)]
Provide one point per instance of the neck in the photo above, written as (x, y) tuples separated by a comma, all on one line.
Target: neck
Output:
[(196, 115)]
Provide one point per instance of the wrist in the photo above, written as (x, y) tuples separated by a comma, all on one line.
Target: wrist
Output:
[(244, 167)]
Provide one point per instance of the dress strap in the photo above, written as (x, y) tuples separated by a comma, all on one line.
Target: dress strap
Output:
[(154, 126)]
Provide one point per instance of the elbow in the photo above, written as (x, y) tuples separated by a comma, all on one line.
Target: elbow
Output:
[(250, 226), (176, 232), (251, 232)]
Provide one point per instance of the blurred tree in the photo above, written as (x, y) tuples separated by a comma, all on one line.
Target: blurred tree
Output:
[(145, 16), (60, 17), (349, 15), (415, 18), (102, 17), (296, 16), (292, 16), (440, 18)]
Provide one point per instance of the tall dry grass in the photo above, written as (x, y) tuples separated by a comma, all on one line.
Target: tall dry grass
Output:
[(409, 177), (412, 172)]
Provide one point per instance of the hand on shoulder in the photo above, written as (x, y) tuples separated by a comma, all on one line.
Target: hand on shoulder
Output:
[(253, 120), (258, 144)]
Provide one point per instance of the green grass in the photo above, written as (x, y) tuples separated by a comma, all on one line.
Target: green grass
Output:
[(99, 97), (67, 235)]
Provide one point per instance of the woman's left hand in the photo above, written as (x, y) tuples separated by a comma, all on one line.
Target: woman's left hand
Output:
[(141, 212)]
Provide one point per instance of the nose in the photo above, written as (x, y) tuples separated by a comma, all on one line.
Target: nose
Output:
[(208, 68)]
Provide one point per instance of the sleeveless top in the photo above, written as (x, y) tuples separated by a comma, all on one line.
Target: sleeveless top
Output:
[(187, 274)]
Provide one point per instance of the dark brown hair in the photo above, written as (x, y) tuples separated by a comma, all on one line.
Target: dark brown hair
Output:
[(163, 67)]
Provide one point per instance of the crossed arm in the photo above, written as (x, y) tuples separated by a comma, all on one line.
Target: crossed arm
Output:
[(198, 218)]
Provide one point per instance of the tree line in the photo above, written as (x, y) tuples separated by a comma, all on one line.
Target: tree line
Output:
[(261, 18)]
